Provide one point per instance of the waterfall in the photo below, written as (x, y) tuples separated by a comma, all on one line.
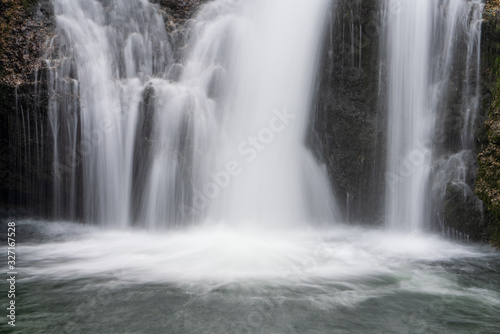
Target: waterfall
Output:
[(105, 54), (422, 48), (143, 135)]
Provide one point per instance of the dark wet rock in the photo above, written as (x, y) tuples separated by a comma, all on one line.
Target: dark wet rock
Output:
[(347, 130), (463, 212), (177, 12), (24, 28), (488, 175)]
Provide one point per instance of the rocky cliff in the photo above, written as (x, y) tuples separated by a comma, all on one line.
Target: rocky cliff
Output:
[(24, 28), (488, 175), (348, 130)]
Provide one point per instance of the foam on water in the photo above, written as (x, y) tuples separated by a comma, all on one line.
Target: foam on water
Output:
[(207, 254)]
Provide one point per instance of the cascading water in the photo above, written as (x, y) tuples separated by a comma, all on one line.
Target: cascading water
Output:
[(219, 134), (267, 115), (421, 46), (107, 52), (161, 129)]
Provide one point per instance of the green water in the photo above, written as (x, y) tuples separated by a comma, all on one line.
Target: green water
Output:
[(71, 281)]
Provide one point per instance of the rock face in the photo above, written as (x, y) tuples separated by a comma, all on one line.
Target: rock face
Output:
[(488, 174), (347, 130), (24, 28), (178, 11)]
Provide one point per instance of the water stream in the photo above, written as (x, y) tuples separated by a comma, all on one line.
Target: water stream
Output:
[(217, 134), (422, 46)]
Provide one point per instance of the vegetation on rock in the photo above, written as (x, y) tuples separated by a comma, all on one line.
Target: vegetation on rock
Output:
[(488, 174), (22, 38)]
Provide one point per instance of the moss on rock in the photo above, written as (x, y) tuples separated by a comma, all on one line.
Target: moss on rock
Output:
[(488, 174), (23, 32)]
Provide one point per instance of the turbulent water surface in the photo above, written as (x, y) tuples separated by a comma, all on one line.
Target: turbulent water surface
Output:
[(80, 279)]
